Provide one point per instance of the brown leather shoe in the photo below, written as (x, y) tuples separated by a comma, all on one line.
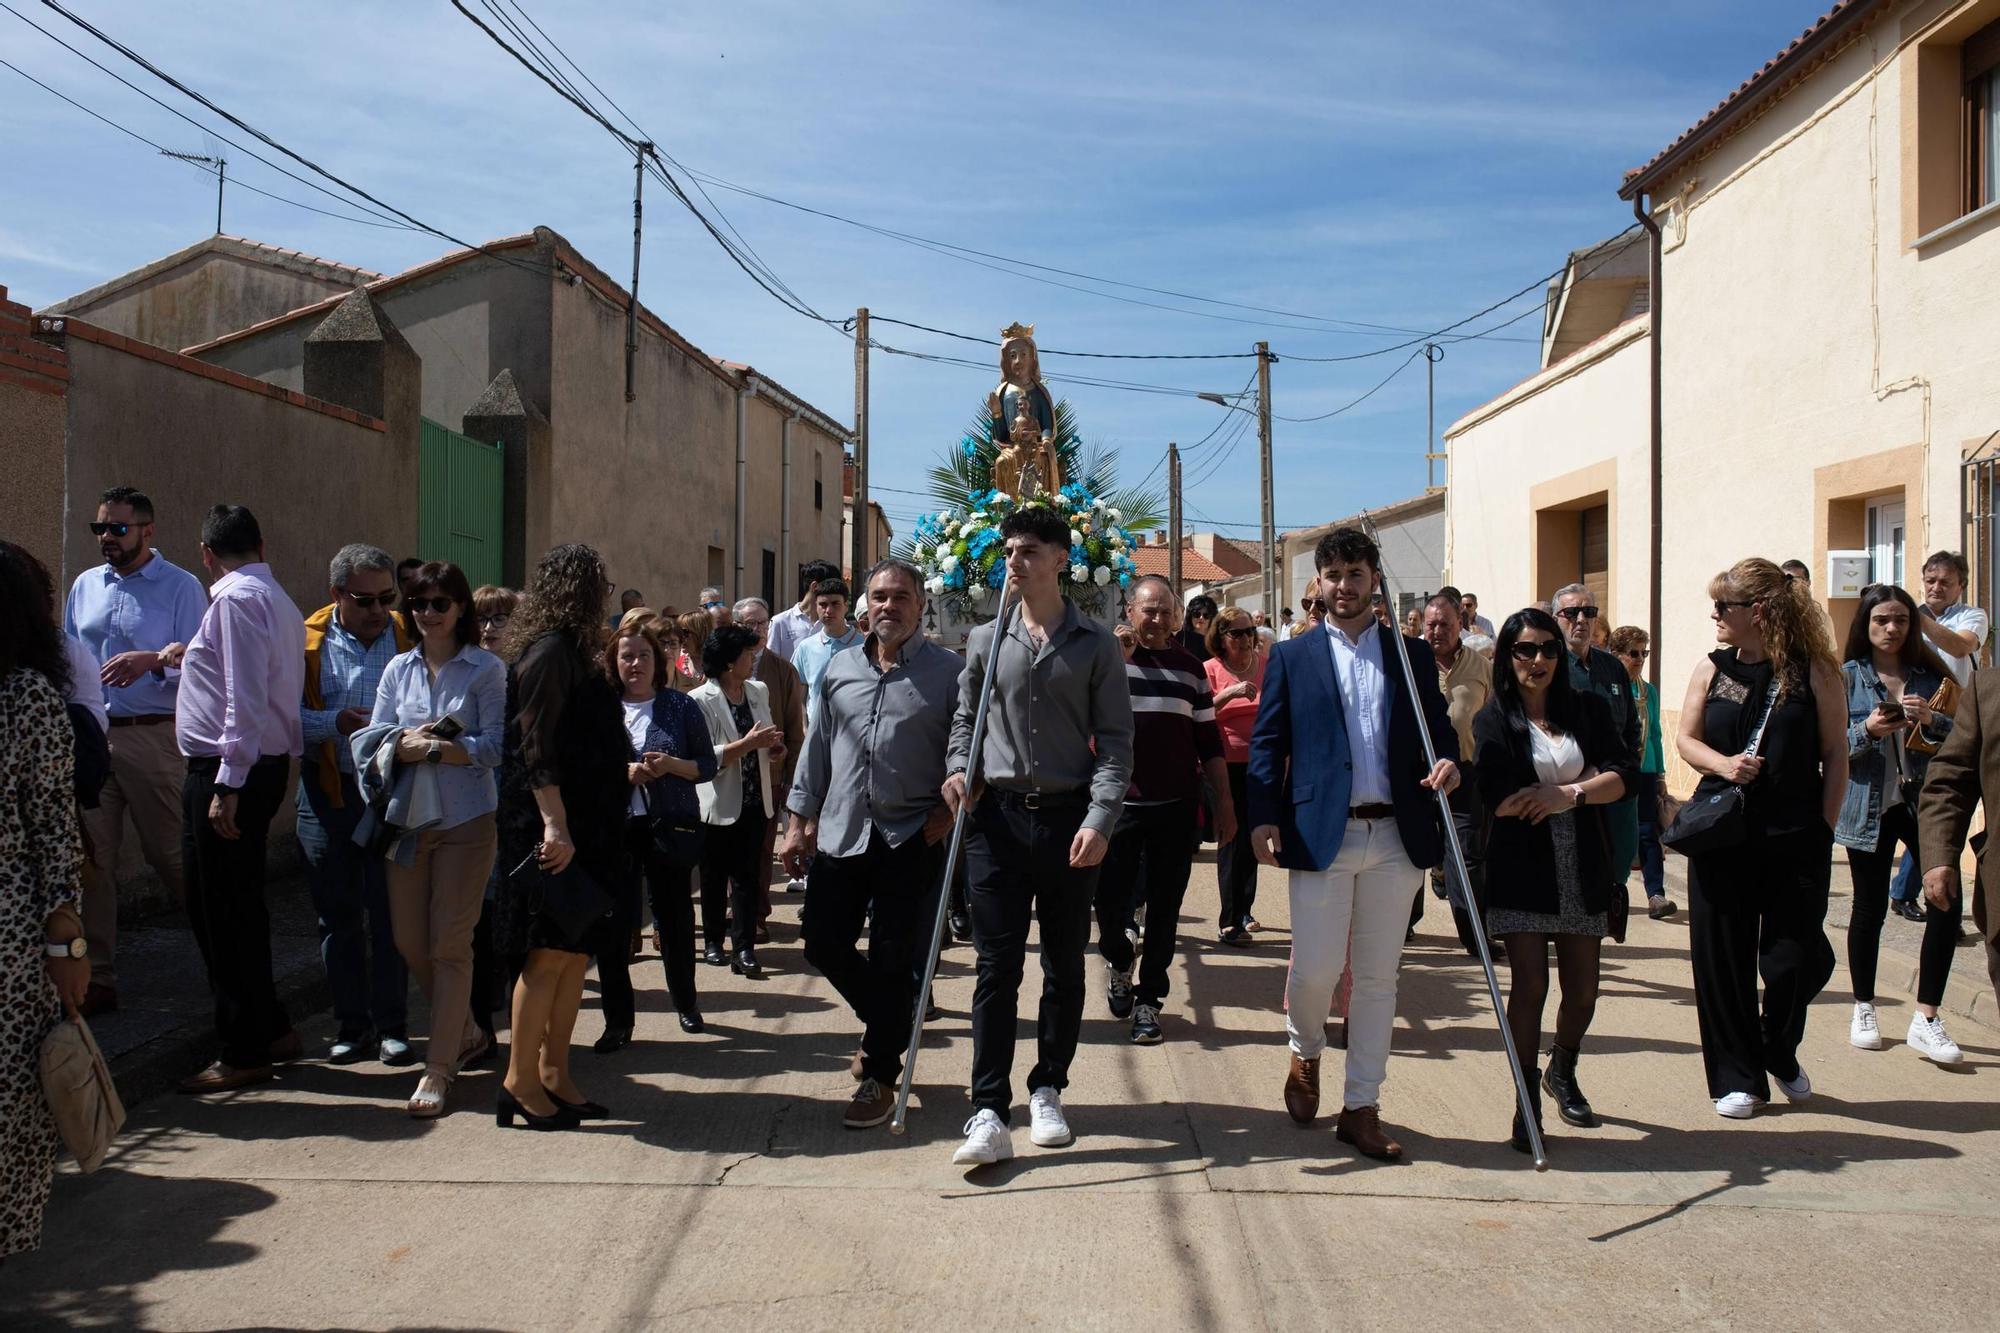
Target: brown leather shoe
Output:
[(220, 1077), (1302, 1089), (870, 1106), (288, 1047), (1362, 1127)]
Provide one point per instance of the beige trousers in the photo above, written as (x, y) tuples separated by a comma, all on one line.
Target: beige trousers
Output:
[(433, 907), (147, 773)]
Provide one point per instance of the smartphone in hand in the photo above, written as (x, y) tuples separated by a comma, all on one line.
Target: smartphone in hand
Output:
[(446, 728)]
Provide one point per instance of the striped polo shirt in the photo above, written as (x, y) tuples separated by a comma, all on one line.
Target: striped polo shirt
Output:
[(1173, 722)]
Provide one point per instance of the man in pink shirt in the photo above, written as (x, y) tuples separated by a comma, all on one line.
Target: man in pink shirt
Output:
[(237, 722)]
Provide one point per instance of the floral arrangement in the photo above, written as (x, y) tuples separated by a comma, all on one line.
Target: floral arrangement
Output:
[(964, 566)]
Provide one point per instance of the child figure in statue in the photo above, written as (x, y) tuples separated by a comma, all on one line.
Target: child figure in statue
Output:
[(1023, 417)]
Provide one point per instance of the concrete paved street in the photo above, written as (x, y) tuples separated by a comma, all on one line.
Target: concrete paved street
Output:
[(727, 1194)]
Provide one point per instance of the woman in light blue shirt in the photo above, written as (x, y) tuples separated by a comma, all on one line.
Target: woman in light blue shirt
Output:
[(448, 698)]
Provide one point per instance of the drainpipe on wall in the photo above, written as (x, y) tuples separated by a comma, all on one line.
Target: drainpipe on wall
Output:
[(785, 566), (743, 397), (1656, 536)]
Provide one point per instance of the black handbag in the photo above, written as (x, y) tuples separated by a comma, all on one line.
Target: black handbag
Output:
[(1713, 822), (679, 839), (569, 898)]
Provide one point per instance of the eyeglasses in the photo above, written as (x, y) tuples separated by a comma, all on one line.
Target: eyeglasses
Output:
[(710, 606), (1572, 612), (1722, 607), (493, 621), (1523, 651), (1240, 632), (365, 600), (1315, 604), (1638, 654), (115, 529), (436, 605)]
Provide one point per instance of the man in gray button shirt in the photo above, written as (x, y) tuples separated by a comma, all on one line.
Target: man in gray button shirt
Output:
[(866, 793), (1057, 757)]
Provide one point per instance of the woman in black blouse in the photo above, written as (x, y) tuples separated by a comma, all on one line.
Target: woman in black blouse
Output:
[(563, 796), (1759, 907), (1544, 755)]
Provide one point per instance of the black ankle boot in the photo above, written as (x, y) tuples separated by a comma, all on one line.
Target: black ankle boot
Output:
[(1561, 1083), (1519, 1138)]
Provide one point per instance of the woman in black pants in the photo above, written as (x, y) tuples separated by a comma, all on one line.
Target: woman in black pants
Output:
[(736, 802), (1544, 753), (1235, 676), (670, 753), (1892, 677), (1765, 712)]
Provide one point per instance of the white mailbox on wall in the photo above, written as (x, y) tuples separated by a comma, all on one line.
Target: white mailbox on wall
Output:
[(1846, 573)]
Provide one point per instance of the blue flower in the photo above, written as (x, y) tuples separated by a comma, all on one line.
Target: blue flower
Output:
[(970, 447), (981, 540), (996, 575)]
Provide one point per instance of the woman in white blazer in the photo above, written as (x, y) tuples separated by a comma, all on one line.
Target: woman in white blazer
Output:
[(736, 806)]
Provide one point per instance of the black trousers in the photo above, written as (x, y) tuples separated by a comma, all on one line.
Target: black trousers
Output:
[(733, 874), (893, 891), (1871, 871), (670, 896), (225, 904), (1018, 865), (1758, 910), (1235, 862), (1152, 851)]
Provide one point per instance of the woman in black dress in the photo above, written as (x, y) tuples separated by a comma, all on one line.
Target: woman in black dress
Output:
[(563, 796), (1759, 907), (1543, 754)]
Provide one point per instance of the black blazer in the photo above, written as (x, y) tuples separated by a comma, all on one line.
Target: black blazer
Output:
[(1521, 857)]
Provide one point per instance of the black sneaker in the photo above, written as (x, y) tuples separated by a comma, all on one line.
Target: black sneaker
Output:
[(1146, 1026), (1118, 992)]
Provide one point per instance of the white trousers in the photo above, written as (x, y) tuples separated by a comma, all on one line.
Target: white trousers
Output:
[(1355, 912)]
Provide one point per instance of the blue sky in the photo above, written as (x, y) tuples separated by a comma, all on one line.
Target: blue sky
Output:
[(1396, 165)]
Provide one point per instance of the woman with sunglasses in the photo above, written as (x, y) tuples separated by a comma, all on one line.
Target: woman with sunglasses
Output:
[(1892, 674), (1548, 758), (1235, 668), (493, 606), (1632, 646), (445, 704), (1758, 908)]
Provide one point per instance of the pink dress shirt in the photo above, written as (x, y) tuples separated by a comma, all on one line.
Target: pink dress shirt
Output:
[(243, 676)]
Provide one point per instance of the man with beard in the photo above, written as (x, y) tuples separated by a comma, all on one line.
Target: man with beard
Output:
[(135, 613)]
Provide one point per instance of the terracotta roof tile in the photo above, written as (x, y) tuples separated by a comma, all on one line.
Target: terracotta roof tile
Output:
[(1195, 567)]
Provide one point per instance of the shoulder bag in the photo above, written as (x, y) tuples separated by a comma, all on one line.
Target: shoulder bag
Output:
[(1945, 701), (1713, 822), (569, 898), (81, 1095)]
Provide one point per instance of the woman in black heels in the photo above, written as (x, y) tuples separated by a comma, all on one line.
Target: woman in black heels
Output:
[(1544, 754), (563, 796)]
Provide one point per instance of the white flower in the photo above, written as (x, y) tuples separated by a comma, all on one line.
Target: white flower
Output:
[(934, 585), (1079, 573), (1102, 576), (978, 592), (1076, 537), (948, 563), (1114, 516)]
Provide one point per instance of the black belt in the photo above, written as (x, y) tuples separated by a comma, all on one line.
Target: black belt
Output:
[(1042, 800), (142, 720), (1377, 811)]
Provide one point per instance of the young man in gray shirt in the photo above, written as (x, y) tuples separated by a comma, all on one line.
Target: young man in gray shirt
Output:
[(1051, 779), (865, 794)]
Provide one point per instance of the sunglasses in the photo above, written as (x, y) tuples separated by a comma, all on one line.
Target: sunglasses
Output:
[(1638, 654), (492, 622), (436, 605), (710, 606), (1241, 632), (1722, 607), (115, 529), (1316, 604), (1572, 612), (366, 600), (1524, 651)]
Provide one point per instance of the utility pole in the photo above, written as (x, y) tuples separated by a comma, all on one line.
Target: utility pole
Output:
[(1432, 355), (860, 557), (220, 164), (1174, 517), (1264, 360), (639, 152)]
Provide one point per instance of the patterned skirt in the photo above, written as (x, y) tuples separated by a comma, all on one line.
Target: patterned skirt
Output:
[(1571, 918)]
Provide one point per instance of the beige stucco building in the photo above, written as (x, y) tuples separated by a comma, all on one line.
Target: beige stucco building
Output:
[(1827, 341)]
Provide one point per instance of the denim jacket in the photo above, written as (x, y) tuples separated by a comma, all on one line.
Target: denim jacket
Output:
[(1868, 762)]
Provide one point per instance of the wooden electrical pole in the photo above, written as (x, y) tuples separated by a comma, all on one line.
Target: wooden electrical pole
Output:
[(860, 556), (1264, 360), (1432, 355), (1174, 517), (639, 152)]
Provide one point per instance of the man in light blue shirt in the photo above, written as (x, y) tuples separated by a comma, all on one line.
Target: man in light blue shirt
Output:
[(134, 613), (834, 635)]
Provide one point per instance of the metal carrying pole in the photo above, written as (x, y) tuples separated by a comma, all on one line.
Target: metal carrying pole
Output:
[(896, 1122), (1522, 1091)]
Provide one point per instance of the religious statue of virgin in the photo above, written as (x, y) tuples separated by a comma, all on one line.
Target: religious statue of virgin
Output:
[(1022, 418)]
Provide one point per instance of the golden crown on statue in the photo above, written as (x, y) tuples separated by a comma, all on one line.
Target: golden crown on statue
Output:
[(1017, 330)]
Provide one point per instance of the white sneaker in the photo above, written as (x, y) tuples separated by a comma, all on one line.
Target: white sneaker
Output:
[(1798, 1089), (1046, 1126), (795, 885), (987, 1141), (1929, 1039), (1863, 1033), (1738, 1106)]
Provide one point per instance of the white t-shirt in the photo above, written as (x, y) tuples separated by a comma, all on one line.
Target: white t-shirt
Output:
[(1963, 619), (637, 716), (1556, 760)]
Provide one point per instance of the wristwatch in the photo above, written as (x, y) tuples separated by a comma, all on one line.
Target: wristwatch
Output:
[(75, 948), (1575, 790), (435, 754)]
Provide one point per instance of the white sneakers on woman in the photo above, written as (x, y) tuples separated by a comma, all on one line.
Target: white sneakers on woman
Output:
[(988, 1140), (1738, 1106), (1046, 1126), (1863, 1033), (1929, 1039)]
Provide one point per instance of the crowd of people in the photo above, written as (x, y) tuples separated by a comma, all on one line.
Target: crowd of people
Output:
[(496, 790)]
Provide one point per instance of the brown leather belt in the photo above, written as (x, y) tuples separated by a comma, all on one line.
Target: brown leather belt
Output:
[(1377, 811), (142, 720)]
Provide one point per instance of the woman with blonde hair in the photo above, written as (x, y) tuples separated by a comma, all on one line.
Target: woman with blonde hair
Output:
[(687, 672), (1765, 712)]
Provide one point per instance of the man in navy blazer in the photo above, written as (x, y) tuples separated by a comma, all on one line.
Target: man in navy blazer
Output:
[(1340, 794)]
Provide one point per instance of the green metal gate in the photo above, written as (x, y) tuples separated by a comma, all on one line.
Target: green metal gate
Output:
[(459, 493)]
